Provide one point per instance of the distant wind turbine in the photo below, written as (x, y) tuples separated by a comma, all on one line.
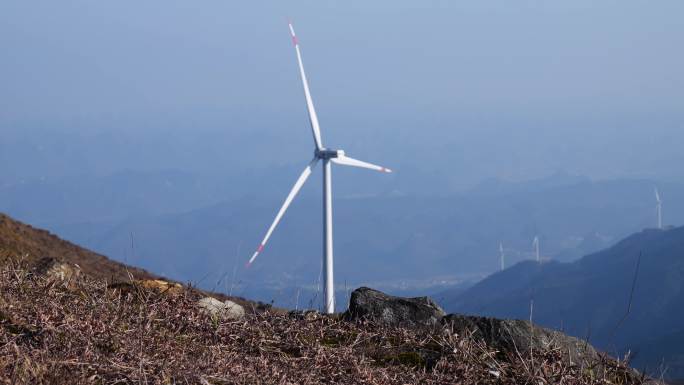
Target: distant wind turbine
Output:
[(535, 244), (501, 253), (659, 209), (328, 157)]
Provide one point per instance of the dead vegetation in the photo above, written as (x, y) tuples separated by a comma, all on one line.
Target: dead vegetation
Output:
[(84, 331)]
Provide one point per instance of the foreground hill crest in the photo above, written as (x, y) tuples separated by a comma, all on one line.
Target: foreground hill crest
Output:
[(92, 331), (39, 248)]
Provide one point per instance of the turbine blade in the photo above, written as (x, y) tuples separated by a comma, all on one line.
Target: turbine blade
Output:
[(347, 161), (293, 193), (313, 118), (657, 195)]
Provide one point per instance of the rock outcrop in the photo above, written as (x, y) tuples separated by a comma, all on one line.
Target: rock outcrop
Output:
[(517, 336), (506, 336), (366, 303)]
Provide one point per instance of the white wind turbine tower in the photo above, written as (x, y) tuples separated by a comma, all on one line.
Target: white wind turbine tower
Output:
[(535, 244), (659, 209), (501, 253), (328, 156)]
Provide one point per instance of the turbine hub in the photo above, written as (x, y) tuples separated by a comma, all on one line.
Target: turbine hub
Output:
[(328, 154)]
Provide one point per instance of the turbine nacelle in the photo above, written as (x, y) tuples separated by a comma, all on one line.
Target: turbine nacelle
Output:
[(328, 154)]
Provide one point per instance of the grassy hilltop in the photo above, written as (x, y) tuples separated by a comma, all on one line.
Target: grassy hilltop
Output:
[(83, 329)]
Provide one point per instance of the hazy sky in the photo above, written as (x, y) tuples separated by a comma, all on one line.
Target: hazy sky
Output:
[(493, 88)]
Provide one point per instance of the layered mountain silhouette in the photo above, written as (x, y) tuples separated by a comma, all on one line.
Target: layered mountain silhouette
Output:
[(422, 236), (616, 299)]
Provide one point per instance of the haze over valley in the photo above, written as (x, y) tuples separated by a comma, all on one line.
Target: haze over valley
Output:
[(166, 135)]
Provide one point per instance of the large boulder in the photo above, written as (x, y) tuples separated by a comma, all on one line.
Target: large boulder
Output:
[(366, 303), (506, 336), (224, 311), (517, 336)]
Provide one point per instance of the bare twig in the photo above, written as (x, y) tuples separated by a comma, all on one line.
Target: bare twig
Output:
[(631, 297)]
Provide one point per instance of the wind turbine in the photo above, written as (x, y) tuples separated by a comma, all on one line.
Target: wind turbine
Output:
[(501, 253), (535, 244), (328, 157), (659, 208)]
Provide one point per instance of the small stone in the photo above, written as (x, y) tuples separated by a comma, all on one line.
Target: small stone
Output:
[(224, 311), (54, 269), (161, 286)]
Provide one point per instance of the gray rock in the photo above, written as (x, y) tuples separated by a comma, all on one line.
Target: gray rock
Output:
[(509, 336), (506, 336), (224, 311), (57, 270), (366, 303), (308, 315), (235, 310)]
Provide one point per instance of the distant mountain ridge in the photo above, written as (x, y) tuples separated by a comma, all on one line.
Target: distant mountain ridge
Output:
[(393, 238), (589, 298)]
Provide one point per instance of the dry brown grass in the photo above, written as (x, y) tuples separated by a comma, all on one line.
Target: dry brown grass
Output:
[(86, 332)]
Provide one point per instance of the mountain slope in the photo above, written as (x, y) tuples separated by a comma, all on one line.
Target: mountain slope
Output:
[(84, 330), (34, 245), (590, 297), (89, 333)]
